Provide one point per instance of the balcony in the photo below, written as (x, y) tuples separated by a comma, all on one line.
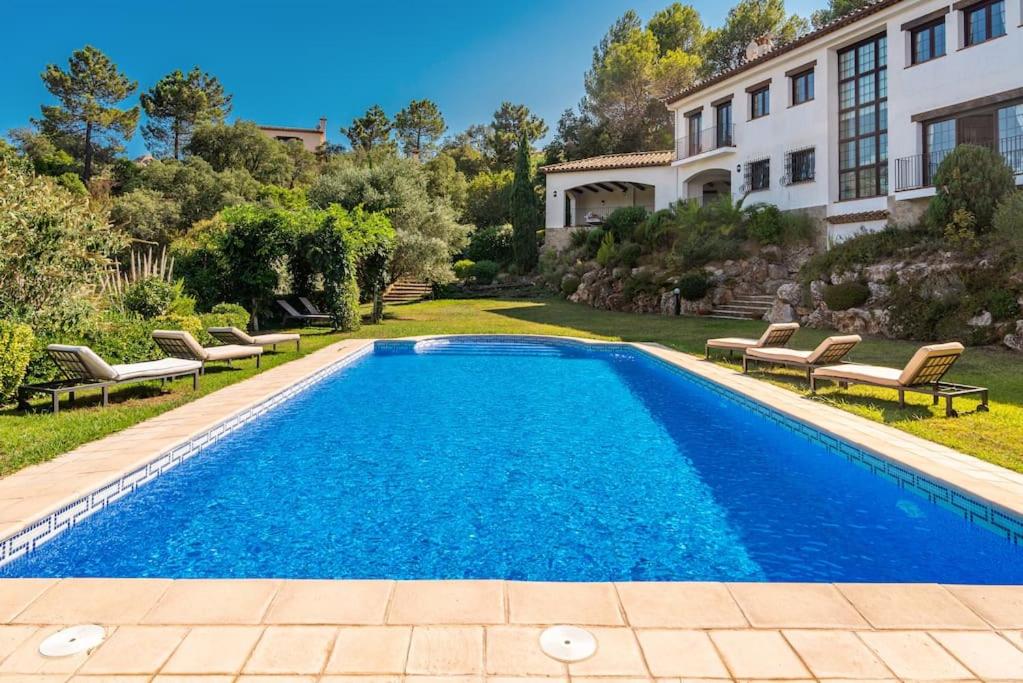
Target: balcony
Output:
[(917, 171), (707, 140)]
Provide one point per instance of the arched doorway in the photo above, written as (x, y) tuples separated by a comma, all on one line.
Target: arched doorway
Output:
[(708, 185)]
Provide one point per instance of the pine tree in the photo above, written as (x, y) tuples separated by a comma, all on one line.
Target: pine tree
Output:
[(87, 120), (418, 126), (176, 104), (524, 211)]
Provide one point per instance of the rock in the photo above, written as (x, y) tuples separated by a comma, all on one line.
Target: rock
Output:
[(791, 293), (817, 288), (667, 303), (1015, 341), (776, 272), (983, 319), (855, 321), (621, 272), (879, 272), (841, 278), (878, 291), (772, 253), (731, 268), (781, 312)]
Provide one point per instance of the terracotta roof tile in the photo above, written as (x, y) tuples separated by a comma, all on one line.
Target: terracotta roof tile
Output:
[(628, 160)]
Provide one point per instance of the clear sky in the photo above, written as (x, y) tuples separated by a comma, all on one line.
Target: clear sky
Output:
[(290, 62)]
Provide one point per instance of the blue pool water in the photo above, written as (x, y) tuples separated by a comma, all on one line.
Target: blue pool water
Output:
[(545, 461)]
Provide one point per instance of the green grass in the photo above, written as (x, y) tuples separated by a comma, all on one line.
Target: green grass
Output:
[(995, 436)]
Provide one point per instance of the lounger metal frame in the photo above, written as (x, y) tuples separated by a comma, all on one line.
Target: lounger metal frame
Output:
[(228, 338), (928, 382), (79, 379), (294, 314)]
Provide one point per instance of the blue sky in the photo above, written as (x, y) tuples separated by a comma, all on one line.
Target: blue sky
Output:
[(288, 63)]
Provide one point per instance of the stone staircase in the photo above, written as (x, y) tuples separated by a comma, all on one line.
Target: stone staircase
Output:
[(750, 307), (404, 291)]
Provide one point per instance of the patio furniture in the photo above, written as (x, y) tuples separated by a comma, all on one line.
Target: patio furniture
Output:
[(776, 334), (922, 374), (181, 344), (309, 306), (290, 313), (232, 335), (830, 351), (83, 369)]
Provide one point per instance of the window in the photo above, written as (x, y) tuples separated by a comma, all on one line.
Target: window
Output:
[(801, 165), (863, 119), (984, 21), (758, 174), (1010, 136), (928, 41), (760, 103), (802, 87), (939, 140), (695, 123), (724, 125)]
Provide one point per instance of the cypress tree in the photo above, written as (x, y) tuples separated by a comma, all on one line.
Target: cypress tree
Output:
[(524, 211)]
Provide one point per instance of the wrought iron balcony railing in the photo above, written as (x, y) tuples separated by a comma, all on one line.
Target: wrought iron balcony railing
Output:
[(917, 171), (706, 140)]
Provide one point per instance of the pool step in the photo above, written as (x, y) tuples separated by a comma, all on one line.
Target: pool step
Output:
[(405, 291), (455, 347)]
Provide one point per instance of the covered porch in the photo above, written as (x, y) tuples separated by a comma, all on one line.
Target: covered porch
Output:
[(590, 204)]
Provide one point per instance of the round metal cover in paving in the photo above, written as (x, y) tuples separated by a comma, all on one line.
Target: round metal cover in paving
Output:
[(568, 643), (72, 640)]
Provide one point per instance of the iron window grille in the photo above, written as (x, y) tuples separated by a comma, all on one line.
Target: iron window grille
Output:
[(757, 175), (800, 166)]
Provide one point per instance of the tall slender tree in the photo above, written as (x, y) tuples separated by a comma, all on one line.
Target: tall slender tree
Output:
[(370, 131), (511, 123), (87, 119), (419, 126), (524, 210), (176, 104)]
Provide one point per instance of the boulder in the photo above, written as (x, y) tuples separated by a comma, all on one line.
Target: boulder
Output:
[(1015, 341), (777, 272), (817, 288), (878, 290), (791, 293), (772, 253), (781, 312), (982, 319)]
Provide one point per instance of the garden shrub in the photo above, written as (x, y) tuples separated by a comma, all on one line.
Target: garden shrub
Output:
[(193, 324), (237, 314), (493, 243), (149, 297), (622, 222), (606, 252), (693, 286), (629, 253), (765, 224), (73, 184), (569, 285), (970, 178), (16, 344), (846, 295), (1008, 223), (864, 249), (1002, 304), (463, 268), (594, 238), (485, 271), (578, 238)]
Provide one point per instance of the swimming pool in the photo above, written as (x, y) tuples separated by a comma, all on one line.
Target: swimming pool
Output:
[(527, 459)]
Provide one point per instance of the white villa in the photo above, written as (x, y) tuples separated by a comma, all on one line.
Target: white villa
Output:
[(847, 123)]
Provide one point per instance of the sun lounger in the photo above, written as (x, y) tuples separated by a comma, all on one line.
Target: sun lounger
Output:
[(181, 344), (232, 335), (830, 351), (922, 374), (309, 306), (290, 313), (776, 334), (83, 369)]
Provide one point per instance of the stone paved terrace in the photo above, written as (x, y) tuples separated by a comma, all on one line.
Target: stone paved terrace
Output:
[(476, 631)]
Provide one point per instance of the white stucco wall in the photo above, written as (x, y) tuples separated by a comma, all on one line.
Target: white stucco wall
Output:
[(662, 179)]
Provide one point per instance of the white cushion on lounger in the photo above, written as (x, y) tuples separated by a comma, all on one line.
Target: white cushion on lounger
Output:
[(155, 368), (232, 351), (875, 374), (777, 353), (276, 338), (732, 343)]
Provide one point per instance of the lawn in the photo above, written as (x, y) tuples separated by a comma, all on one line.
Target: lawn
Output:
[(995, 436)]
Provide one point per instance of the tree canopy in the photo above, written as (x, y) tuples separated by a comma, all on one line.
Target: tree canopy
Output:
[(747, 21), (88, 121), (418, 127), (511, 123), (370, 131), (176, 104), (836, 9)]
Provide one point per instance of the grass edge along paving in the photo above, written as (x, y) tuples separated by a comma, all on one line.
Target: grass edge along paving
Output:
[(29, 438)]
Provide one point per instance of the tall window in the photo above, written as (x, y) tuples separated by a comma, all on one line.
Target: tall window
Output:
[(939, 140), (1010, 136), (863, 119), (928, 41), (760, 102), (695, 122), (802, 87), (724, 125), (758, 174), (984, 21)]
